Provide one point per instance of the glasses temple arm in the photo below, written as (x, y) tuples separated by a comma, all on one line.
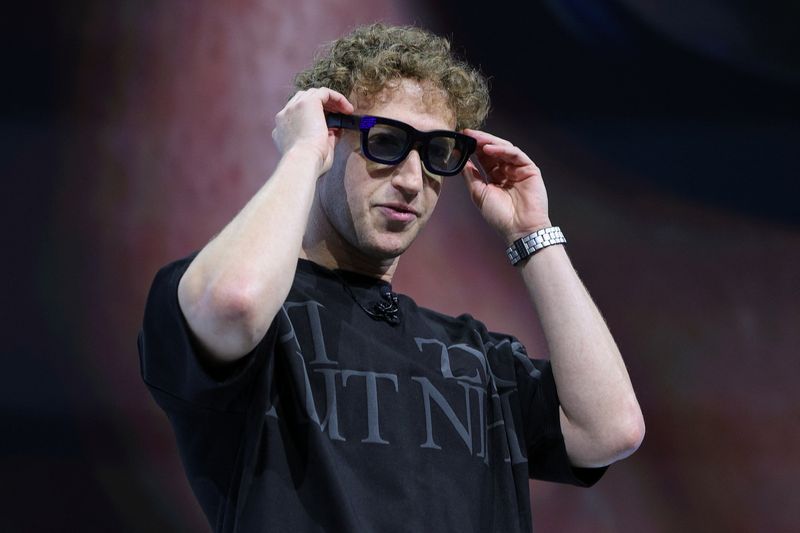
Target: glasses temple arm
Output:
[(340, 120)]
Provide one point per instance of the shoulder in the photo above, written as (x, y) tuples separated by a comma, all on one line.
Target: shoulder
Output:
[(463, 326)]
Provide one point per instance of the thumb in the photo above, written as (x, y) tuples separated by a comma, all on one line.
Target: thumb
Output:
[(476, 183)]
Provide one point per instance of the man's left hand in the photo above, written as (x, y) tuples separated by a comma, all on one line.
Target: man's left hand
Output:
[(513, 200)]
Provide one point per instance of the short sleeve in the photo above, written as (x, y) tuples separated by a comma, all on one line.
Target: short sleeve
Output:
[(168, 353), (547, 453)]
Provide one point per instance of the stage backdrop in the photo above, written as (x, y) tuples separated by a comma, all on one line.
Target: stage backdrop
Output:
[(667, 138)]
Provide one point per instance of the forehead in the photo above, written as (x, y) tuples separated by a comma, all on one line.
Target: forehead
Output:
[(420, 104)]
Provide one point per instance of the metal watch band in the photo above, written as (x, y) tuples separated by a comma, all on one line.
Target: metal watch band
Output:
[(528, 245)]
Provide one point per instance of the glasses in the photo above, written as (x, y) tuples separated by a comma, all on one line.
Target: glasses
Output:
[(388, 141)]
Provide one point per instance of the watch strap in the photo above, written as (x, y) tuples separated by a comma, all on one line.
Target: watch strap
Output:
[(528, 245)]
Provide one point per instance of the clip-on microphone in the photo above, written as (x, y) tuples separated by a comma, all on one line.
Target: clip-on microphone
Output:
[(388, 309)]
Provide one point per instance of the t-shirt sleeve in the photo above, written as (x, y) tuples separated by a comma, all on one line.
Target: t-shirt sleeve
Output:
[(168, 354), (547, 453)]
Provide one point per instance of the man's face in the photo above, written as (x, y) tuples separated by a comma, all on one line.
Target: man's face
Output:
[(376, 209)]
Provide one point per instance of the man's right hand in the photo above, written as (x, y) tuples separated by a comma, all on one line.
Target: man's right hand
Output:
[(236, 285), (300, 125)]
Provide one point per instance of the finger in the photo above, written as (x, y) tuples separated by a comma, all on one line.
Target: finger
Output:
[(507, 154), (476, 183), (335, 101), (484, 138), (505, 174), (498, 175), (296, 96), (329, 99), (494, 156), (476, 168), (519, 173), (471, 172)]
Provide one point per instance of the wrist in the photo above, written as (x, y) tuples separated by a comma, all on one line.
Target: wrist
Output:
[(513, 235), (305, 156), (524, 247)]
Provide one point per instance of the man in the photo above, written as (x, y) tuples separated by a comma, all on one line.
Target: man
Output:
[(306, 395)]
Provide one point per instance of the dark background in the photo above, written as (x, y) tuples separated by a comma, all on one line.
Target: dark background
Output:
[(667, 133)]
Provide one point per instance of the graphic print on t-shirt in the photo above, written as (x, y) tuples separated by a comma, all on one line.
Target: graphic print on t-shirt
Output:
[(459, 396)]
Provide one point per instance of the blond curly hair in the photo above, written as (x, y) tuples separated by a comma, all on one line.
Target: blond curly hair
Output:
[(377, 56)]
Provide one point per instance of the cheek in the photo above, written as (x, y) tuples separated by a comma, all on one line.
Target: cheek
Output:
[(433, 190), (357, 184), (375, 169)]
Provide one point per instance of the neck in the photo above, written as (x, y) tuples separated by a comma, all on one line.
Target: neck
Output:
[(324, 245)]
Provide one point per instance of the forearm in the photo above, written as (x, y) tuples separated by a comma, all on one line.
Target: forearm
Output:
[(601, 419), (234, 287)]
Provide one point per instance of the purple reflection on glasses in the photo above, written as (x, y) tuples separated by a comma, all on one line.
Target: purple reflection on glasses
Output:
[(367, 122)]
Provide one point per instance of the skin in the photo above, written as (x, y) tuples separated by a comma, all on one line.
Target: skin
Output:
[(367, 214), (326, 202)]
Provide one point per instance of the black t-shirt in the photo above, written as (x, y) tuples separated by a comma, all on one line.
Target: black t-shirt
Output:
[(340, 422)]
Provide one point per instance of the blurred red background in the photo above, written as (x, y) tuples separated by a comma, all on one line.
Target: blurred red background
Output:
[(668, 147)]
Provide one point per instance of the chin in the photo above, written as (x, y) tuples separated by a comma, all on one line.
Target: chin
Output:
[(387, 248)]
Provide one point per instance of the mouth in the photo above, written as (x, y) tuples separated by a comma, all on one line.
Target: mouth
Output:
[(399, 212)]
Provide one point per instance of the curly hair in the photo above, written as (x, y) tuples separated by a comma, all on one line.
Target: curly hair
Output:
[(374, 57)]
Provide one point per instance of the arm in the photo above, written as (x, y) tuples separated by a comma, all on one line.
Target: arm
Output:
[(600, 416), (238, 282)]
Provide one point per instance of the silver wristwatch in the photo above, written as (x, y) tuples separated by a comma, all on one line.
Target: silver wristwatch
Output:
[(528, 245)]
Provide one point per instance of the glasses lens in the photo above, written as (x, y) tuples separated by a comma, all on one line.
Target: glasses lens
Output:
[(386, 143), (445, 153)]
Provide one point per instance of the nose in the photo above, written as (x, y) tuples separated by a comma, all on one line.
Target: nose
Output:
[(408, 175)]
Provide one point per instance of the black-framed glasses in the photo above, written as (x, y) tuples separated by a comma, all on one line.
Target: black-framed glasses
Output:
[(389, 141)]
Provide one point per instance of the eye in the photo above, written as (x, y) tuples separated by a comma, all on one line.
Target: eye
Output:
[(386, 141), (440, 150)]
